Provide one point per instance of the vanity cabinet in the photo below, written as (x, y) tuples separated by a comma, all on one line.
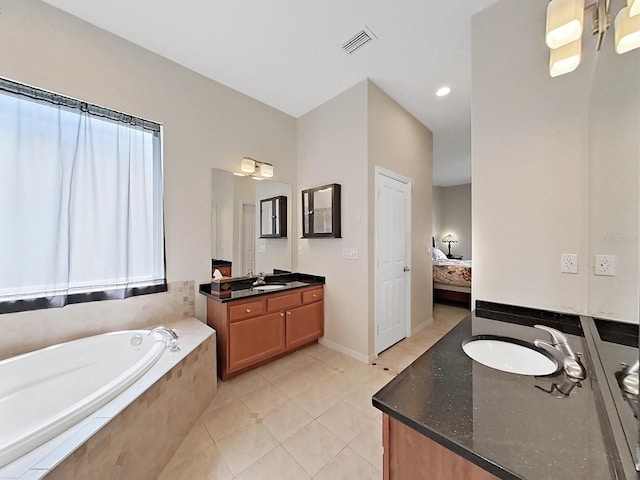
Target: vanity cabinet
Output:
[(321, 212), (252, 331), (409, 454)]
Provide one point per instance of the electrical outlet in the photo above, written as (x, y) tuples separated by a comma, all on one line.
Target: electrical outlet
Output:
[(605, 265), (568, 263)]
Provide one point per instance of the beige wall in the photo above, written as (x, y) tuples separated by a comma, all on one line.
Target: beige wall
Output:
[(529, 171), (400, 143), (205, 125), (614, 162), (555, 168), (341, 142), (452, 214), (332, 148)]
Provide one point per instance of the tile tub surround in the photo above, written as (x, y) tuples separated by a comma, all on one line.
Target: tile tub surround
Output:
[(27, 331), (500, 421), (134, 435)]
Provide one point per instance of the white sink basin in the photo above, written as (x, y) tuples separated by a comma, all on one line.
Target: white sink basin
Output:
[(269, 287), (509, 355)]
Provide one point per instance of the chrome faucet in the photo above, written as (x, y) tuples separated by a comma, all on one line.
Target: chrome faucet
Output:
[(250, 273), (173, 337), (560, 349), (260, 280)]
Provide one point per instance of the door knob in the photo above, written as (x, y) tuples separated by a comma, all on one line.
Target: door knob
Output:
[(406, 269)]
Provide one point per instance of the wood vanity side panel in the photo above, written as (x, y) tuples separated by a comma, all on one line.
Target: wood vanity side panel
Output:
[(217, 319), (410, 454)]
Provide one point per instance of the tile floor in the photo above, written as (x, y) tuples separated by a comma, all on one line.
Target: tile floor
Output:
[(306, 415)]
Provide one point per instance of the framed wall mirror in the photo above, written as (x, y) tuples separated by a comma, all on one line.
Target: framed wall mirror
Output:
[(273, 217), (321, 212), (236, 239)]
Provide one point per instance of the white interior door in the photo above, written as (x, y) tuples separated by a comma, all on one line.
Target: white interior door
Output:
[(393, 259), (248, 238)]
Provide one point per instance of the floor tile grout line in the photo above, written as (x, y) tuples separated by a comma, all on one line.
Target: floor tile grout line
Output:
[(403, 353)]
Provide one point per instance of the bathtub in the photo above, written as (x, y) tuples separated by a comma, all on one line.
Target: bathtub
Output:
[(43, 393)]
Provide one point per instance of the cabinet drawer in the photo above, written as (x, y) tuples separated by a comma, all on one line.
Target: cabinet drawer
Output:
[(246, 310), (282, 302), (314, 295)]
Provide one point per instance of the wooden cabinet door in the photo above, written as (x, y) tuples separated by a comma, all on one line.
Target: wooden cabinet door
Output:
[(256, 339), (305, 324)]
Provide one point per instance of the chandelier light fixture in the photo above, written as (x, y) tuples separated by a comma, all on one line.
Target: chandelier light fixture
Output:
[(566, 24)]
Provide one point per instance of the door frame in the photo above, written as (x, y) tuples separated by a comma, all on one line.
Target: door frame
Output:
[(378, 172)]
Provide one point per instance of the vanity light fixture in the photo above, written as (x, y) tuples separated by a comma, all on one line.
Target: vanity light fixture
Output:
[(256, 169), (565, 25), (266, 170), (248, 165), (627, 30)]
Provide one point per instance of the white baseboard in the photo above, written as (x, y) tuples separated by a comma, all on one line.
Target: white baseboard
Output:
[(421, 326), (346, 351)]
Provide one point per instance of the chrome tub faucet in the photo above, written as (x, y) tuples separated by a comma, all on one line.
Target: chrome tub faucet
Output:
[(172, 336)]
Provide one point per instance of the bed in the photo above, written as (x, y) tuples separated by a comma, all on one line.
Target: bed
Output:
[(451, 279)]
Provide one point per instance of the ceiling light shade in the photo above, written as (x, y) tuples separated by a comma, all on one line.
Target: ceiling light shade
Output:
[(565, 20), (627, 31), (266, 170), (443, 91), (634, 7), (248, 165), (565, 59)]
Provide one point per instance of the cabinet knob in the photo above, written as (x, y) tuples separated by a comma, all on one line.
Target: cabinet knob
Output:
[(282, 314), (315, 296), (288, 313), (248, 310)]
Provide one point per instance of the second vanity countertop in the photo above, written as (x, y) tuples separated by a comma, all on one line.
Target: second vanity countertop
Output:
[(242, 288), (510, 425)]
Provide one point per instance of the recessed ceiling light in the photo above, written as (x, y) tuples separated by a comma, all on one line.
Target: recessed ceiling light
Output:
[(443, 91)]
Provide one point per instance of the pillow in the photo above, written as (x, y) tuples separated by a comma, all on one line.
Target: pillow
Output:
[(438, 255)]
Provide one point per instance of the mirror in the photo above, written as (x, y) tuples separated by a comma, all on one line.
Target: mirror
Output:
[(614, 204), (321, 212), (236, 224), (273, 217)]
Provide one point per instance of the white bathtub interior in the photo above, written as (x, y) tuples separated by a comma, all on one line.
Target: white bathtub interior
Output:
[(37, 462)]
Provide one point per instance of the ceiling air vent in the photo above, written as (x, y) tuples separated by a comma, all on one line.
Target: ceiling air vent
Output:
[(359, 40)]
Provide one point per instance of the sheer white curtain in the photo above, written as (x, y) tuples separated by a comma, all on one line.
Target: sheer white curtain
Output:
[(80, 202)]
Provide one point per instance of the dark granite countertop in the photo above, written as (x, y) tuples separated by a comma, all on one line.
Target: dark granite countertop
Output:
[(242, 288), (507, 424), (216, 262)]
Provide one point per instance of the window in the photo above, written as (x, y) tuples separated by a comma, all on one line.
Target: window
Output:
[(80, 202)]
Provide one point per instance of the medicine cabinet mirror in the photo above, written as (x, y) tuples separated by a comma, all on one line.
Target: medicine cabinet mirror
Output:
[(273, 217), (321, 212)]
